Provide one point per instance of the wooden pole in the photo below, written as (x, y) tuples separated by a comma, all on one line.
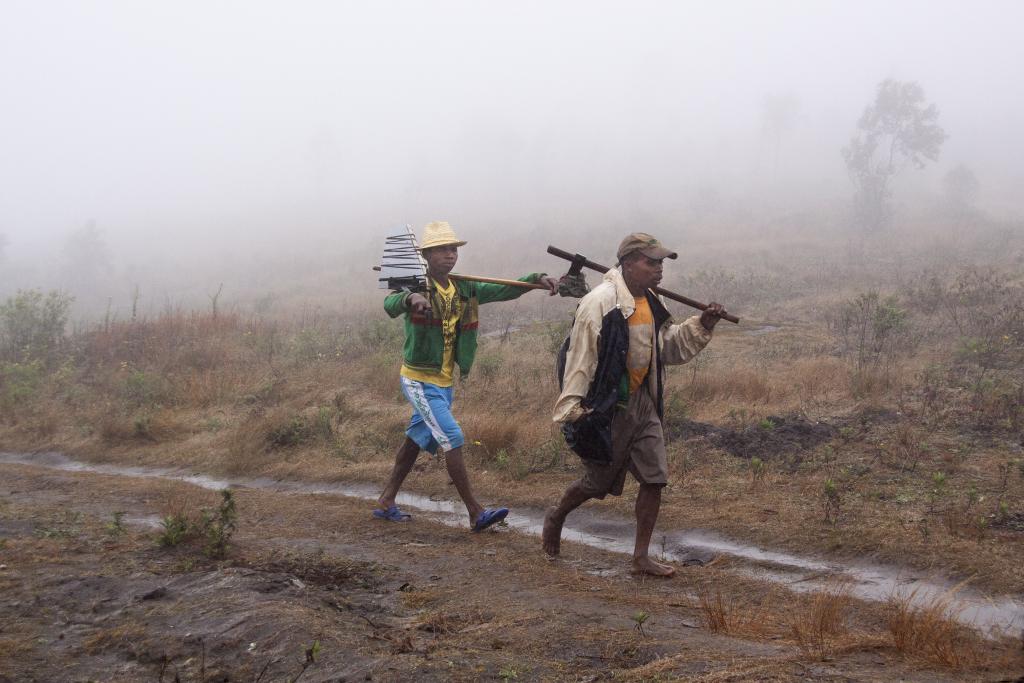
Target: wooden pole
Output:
[(492, 280), (498, 281)]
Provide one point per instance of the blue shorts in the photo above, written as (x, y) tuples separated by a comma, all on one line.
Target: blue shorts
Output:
[(432, 424)]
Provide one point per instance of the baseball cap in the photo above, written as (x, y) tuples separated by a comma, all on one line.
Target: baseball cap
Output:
[(646, 245)]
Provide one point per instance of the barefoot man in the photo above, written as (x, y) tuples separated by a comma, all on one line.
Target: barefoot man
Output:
[(440, 333), (611, 406)]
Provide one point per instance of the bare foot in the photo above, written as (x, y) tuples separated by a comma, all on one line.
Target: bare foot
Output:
[(551, 537), (645, 565)]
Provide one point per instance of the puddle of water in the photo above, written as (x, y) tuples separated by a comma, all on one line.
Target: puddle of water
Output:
[(993, 615)]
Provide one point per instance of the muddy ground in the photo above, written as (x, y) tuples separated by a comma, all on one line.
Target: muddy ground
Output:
[(88, 594)]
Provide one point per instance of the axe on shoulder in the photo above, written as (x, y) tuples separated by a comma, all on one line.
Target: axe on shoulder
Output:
[(579, 262)]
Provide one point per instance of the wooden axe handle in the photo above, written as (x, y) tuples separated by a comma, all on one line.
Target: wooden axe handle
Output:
[(560, 253), (498, 281), (492, 280)]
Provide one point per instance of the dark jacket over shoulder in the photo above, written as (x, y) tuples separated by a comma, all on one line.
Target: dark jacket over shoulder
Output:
[(592, 363)]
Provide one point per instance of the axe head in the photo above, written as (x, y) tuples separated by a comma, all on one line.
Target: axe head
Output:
[(577, 265)]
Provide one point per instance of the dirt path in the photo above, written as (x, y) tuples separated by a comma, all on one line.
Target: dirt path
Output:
[(990, 614), (85, 598)]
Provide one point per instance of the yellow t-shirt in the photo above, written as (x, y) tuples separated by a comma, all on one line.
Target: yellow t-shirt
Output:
[(641, 343), (446, 308)]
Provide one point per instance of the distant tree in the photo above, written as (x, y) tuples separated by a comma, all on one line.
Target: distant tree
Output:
[(778, 117), (3, 246), (86, 256), (960, 191), (899, 129)]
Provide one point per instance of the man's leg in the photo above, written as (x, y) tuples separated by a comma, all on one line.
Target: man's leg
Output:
[(404, 460), (573, 497), (457, 471), (648, 503)]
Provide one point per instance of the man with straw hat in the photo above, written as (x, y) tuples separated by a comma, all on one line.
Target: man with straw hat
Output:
[(440, 334)]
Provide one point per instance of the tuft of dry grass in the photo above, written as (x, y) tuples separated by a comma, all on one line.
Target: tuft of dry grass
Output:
[(929, 631), (493, 431), (116, 638), (419, 599), (441, 622), (724, 614), (117, 428), (820, 624), (718, 617)]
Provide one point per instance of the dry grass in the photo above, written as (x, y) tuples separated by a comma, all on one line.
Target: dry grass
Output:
[(725, 613), (173, 500), (929, 631), (545, 614), (114, 638), (15, 647), (717, 616), (493, 432), (820, 625), (419, 599), (244, 395), (448, 621)]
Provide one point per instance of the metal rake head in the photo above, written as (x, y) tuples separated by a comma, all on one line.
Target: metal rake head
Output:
[(401, 266)]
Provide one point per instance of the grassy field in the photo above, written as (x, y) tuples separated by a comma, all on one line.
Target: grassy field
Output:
[(870, 406)]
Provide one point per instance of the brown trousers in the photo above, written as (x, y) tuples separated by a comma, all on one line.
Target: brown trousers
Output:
[(638, 445)]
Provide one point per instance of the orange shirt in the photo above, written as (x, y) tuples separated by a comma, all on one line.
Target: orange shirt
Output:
[(641, 343)]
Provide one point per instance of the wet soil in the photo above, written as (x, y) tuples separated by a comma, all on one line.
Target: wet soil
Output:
[(84, 598), (991, 615), (776, 437)]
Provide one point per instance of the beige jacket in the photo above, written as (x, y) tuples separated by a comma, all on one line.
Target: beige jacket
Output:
[(677, 343)]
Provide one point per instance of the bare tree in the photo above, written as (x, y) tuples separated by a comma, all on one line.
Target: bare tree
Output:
[(899, 129)]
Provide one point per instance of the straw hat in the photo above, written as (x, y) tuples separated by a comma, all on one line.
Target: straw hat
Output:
[(439, 234)]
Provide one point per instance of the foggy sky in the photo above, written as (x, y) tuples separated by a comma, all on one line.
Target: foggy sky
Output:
[(179, 125)]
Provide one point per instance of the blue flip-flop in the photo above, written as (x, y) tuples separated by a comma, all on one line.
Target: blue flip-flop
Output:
[(392, 514), (490, 517)]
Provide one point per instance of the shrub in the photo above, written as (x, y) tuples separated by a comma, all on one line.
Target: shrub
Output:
[(381, 334), (831, 501), (289, 433), (213, 527), (32, 324), (19, 381), (311, 344), (144, 388), (488, 364), (322, 426), (175, 530), (219, 527), (870, 329)]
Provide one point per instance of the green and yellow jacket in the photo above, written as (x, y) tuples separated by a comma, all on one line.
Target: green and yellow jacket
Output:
[(424, 343)]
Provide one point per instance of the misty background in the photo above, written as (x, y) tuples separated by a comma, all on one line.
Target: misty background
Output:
[(157, 151)]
